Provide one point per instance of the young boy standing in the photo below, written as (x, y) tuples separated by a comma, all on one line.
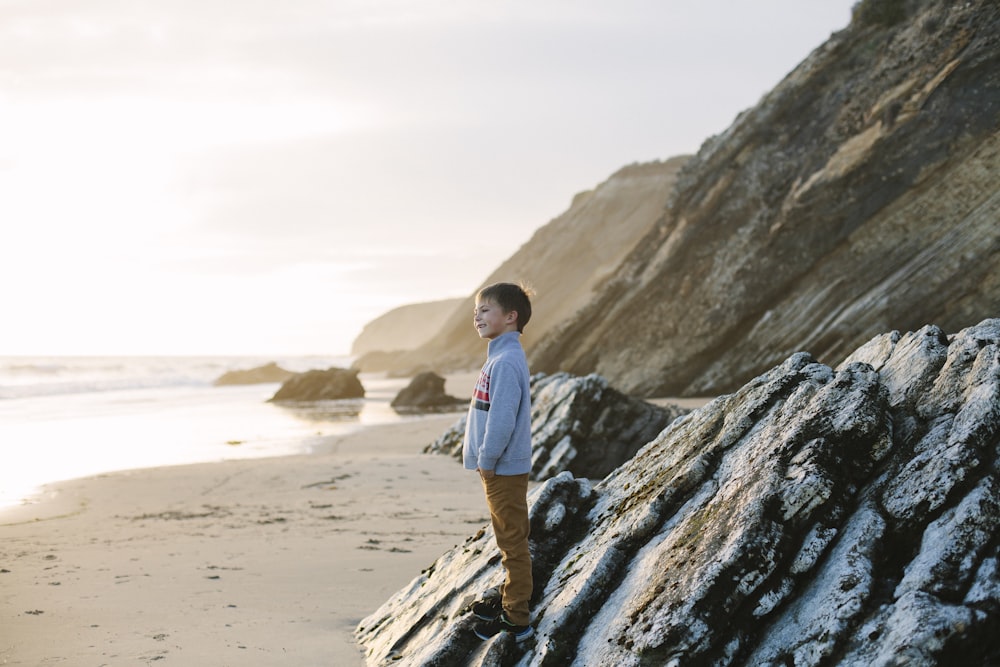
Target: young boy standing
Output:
[(498, 446)]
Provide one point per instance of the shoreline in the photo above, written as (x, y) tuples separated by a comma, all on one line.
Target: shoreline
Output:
[(149, 427), (246, 561)]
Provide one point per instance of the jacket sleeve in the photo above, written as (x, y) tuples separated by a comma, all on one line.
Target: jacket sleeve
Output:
[(505, 397)]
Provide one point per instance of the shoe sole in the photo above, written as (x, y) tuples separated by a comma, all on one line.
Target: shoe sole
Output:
[(524, 635), (482, 617), (527, 634)]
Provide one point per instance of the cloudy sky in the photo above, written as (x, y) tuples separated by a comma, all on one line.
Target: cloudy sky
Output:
[(254, 177)]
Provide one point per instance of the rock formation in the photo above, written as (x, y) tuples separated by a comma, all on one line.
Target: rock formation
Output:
[(861, 195), (816, 516), (270, 372), (579, 424), (565, 261), (426, 393), (321, 385), (404, 328)]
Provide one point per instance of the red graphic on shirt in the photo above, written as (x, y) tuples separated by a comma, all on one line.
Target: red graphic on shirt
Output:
[(482, 391)]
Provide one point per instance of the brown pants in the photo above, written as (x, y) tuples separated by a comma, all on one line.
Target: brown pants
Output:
[(507, 499)]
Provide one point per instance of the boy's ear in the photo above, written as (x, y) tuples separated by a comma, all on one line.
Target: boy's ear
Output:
[(511, 316)]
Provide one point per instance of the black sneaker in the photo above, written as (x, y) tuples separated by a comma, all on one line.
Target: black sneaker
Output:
[(487, 610), (500, 624)]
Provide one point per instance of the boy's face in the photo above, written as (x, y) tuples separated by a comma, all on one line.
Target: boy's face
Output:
[(491, 321)]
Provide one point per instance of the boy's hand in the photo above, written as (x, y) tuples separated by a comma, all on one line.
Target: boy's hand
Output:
[(486, 474)]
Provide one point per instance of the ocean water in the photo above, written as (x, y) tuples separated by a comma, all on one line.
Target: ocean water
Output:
[(68, 417)]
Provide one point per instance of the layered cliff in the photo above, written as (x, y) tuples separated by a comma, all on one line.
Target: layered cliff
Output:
[(861, 195), (815, 517), (404, 328), (565, 262)]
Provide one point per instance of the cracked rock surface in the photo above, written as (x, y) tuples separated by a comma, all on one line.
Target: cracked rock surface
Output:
[(816, 516)]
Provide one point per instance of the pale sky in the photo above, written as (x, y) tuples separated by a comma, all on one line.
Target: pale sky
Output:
[(251, 177)]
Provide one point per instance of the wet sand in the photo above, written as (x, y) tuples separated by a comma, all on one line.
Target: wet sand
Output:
[(250, 562)]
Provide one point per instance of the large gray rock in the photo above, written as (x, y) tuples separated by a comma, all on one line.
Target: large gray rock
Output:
[(816, 516), (321, 385), (579, 424)]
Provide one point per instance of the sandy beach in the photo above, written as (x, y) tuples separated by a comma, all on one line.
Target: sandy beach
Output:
[(250, 562)]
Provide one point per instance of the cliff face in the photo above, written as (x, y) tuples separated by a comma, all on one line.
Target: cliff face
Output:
[(816, 516), (861, 195), (404, 328), (565, 262)]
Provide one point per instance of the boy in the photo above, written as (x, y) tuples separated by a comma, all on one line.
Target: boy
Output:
[(498, 446)]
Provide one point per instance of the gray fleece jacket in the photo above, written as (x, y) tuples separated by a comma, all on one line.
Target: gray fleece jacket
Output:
[(498, 429)]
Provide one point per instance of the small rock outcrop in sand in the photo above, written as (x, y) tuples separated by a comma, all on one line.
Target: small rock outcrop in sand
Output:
[(321, 385), (426, 393), (816, 516), (579, 424)]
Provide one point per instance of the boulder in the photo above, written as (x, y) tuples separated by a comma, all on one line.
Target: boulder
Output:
[(816, 516), (270, 372), (321, 385), (426, 393), (579, 424)]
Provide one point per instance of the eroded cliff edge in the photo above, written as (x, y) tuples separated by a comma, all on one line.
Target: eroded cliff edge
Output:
[(861, 195), (816, 516), (565, 261)]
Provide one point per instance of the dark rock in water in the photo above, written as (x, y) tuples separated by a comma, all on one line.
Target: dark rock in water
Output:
[(579, 424), (426, 392), (271, 372), (320, 385), (816, 516)]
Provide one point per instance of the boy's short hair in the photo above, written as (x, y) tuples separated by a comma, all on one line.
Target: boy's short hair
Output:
[(509, 296)]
